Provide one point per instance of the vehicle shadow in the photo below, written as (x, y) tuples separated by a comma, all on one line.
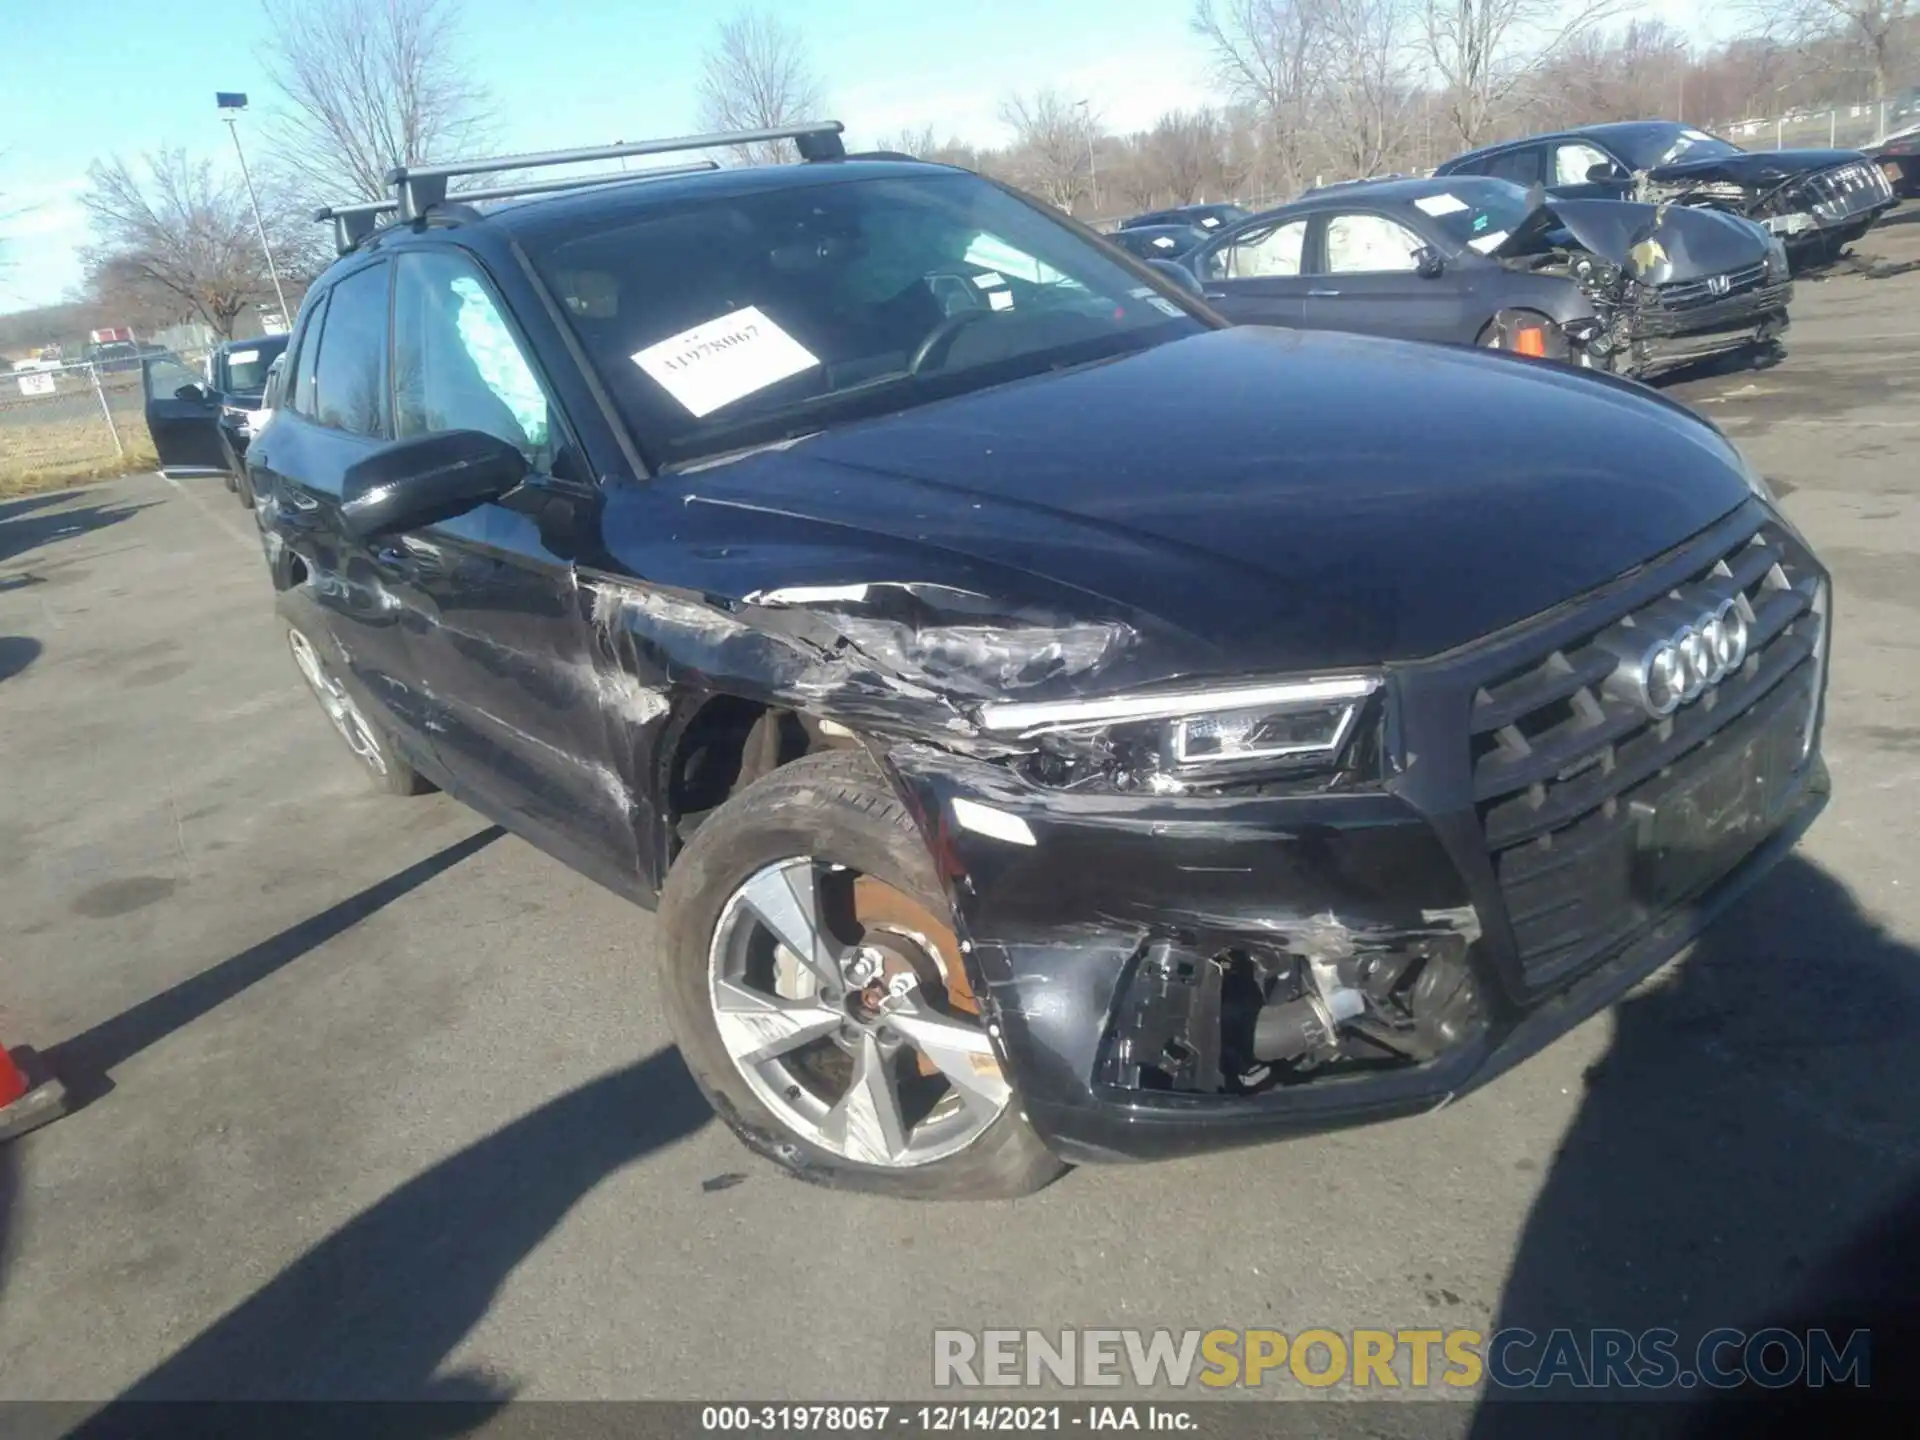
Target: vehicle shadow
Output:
[(1753, 1117), (372, 1311), (17, 652), (29, 523)]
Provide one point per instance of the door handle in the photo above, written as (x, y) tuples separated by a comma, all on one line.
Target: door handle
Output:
[(1216, 294), (1321, 294)]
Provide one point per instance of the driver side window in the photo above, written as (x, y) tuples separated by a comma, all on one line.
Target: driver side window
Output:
[(1275, 250), (1364, 244), (1573, 162), (457, 364)]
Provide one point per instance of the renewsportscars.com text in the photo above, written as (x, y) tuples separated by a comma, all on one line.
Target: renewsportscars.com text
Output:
[(1510, 1359)]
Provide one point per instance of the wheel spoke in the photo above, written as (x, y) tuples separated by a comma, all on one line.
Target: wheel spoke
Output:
[(756, 1027), (959, 1051), (866, 1123), (787, 902)]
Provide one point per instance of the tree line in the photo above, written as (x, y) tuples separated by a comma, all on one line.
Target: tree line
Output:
[(1306, 90)]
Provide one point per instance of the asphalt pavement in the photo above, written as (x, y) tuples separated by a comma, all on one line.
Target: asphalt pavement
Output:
[(382, 1103)]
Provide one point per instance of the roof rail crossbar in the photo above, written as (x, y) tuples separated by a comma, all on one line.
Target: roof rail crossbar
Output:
[(354, 223), (579, 182), (418, 188)]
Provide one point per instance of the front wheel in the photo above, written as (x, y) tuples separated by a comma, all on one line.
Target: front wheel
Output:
[(819, 996)]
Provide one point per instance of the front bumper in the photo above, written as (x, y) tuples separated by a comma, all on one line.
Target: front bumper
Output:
[(1662, 337), (1058, 931)]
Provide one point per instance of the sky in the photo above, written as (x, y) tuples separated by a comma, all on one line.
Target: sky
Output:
[(127, 76)]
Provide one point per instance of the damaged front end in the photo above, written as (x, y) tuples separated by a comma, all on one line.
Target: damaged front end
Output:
[(1803, 206), (1668, 285)]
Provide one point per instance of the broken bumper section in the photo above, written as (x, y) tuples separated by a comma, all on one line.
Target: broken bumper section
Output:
[(1172, 974)]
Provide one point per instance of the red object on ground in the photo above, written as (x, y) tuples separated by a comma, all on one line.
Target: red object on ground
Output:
[(29, 1095)]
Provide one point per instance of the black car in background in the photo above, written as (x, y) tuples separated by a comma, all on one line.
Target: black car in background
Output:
[(1206, 217), (203, 424), (1159, 242), (1054, 724), (1469, 261), (1898, 157), (1816, 201)]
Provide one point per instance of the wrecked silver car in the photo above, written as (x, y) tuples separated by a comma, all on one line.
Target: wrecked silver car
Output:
[(1631, 288)]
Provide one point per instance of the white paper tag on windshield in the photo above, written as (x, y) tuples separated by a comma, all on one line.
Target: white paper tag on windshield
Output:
[(987, 279), (1165, 306), (1487, 244), (1000, 299), (1162, 242), (243, 357), (1442, 204), (717, 363)]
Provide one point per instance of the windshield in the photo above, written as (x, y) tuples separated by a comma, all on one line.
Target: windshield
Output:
[(751, 318), (1647, 149), (1476, 213), (246, 365)]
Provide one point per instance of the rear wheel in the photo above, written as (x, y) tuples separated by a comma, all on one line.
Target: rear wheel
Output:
[(379, 761), (819, 994)]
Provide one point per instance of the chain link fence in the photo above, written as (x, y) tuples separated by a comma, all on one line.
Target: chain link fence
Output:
[(71, 422)]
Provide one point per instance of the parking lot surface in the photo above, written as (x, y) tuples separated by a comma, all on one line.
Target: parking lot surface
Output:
[(382, 1103)]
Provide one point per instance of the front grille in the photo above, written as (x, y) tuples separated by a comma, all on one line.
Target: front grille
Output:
[(1683, 293), (1565, 773), (1846, 191)]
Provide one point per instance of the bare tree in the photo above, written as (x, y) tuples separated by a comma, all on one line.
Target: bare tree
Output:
[(757, 76), (1187, 156), (365, 85), (1267, 55), (181, 230), (1877, 31), (1053, 141), (1368, 99), (924, 144), (1485, 51)]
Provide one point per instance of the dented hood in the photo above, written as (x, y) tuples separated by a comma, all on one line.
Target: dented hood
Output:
[(1258, 499), (1693, 241), (1762, 169)]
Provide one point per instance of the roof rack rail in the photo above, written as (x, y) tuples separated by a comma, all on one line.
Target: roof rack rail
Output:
[(354, 223), (418, 188)]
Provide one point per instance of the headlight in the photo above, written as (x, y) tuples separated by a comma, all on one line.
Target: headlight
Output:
[(1776, 263), (1172, 740)]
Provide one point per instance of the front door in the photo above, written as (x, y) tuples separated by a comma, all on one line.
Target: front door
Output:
[(1578, 170), (1371, 282), (183, 417), (494, 615), (1252, 275)]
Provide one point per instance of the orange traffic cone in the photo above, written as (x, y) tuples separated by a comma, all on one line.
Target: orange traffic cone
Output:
[(29, 1095)]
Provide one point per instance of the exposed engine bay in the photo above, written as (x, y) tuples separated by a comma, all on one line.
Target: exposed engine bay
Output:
[(1668, 284)]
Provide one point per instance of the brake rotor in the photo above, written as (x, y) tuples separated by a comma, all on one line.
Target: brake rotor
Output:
[(914, 941)]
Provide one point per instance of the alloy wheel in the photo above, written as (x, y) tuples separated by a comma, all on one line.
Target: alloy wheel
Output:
[(333, 698), (844, 1005)]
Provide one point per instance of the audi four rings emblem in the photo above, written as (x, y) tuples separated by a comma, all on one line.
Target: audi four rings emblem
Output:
[(1682, 662)]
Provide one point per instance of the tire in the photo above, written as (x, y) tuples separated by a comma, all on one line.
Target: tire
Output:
[(838, 812), (379, 761)]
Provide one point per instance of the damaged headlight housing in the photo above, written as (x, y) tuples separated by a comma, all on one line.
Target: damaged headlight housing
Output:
[(1777, 267), (1175, 740)]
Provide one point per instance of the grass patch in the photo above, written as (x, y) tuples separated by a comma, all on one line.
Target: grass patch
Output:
[(51, 454)]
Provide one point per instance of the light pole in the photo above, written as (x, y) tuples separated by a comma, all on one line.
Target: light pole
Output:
[(231, 103), (1085, 107)]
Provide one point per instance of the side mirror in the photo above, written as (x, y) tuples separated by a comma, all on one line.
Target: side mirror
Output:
[(195, 392), (1603, 172), (1429, 262), (427, 479), (1180, 275)]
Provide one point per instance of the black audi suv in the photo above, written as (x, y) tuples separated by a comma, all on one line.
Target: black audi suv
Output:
[(1053, 724)]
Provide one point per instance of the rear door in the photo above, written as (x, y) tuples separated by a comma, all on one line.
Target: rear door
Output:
[(1254, 275), (494, 610), (1370, 281), (336, 412), (183, 417)]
